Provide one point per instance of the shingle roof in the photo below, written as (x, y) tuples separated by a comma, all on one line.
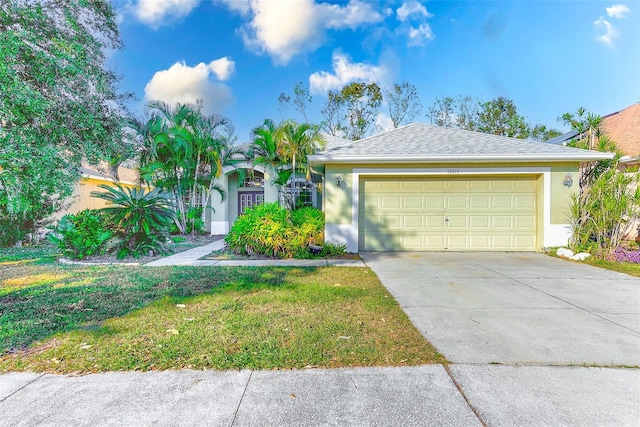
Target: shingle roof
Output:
[(423, 142), (623, 127)]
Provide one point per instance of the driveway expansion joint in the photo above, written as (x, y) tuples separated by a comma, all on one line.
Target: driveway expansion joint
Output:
[(246, 386), (464, 396), (23, 387)]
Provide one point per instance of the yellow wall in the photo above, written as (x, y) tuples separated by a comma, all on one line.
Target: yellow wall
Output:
[(561, 194), (81, 198)]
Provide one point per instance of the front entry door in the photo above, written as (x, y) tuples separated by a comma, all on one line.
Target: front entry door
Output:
[(247, 199)]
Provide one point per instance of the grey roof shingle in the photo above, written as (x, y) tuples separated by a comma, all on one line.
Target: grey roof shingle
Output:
[(423, 142)]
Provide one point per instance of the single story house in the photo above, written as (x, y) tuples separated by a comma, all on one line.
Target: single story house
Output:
[(427, 188)]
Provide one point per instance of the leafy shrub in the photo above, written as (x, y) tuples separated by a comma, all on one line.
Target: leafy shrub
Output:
[(601, 214), (81, 235), (274, 231), (141, 219), (10, 233), (331, 249)]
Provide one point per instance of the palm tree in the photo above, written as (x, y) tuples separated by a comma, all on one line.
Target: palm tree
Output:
[(183, 153), (298, 141)]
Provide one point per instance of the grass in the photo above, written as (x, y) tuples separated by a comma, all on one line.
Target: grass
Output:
[(66, 319), (629, 268)]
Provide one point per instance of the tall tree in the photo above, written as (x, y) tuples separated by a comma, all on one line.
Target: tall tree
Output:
[(58, 105), (298, 141), (403, 102), (300, 101), (285, 148), (352, 111), (458, 113), (499, 116), (183, 153)]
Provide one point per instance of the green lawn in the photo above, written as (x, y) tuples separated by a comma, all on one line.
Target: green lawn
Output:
[(629, 268), (89, 319)]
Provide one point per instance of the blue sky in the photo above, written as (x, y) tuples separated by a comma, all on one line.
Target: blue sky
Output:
[(549, 57)]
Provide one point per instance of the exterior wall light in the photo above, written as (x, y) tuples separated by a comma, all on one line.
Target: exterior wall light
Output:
[(568, 181), (339, 182)]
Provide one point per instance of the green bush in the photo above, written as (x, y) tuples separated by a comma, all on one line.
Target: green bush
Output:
[(81, 235), (271, 230), (141, 219)]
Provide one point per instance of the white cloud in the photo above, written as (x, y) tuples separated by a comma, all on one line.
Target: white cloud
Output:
[(420, 35), (618, 11), (383, 123), (223, 68), (412, 7), (610, 35), (184, 84), (156, 13), (344, 72), (285, 28)]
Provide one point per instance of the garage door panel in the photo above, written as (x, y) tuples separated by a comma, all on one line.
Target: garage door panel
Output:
[(501, 221), (412, 186), (413, 202), (524, 202), (391, 202), (524, 241), (480, 241), (502, 202), (434, 186), (501, 242), (413, 241), (457, 202), (480, 202), (435, 222), (413, 221), (434, 201), (457, 186), (457, 222), (457, 242), (391, 221), (479, 221), (446, 213)]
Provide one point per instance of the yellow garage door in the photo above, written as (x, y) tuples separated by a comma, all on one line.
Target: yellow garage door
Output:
[(458, 214)]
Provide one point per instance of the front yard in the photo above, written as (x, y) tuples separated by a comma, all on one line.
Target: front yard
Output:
[(65, 319)]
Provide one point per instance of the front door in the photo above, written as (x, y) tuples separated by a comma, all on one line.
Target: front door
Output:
[(247, 199)]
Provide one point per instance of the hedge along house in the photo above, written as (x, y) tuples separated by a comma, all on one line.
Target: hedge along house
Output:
[(428, 188)]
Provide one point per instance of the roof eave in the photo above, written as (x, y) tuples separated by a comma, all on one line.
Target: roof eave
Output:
[(582, 157)]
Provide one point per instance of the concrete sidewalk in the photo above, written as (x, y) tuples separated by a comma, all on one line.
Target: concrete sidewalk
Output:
[(192, 258), (408, 396)]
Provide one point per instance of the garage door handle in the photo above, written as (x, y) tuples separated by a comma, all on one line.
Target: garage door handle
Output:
[(446, 219)]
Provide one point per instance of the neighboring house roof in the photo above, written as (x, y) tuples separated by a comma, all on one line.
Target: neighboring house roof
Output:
[(102, 172), (420, 142), (564, 138), (623, 128)]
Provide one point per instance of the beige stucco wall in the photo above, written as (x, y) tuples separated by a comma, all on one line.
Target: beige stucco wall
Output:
[(81, 198)]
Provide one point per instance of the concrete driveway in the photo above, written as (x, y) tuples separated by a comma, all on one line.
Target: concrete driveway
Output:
[(516, 308)]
